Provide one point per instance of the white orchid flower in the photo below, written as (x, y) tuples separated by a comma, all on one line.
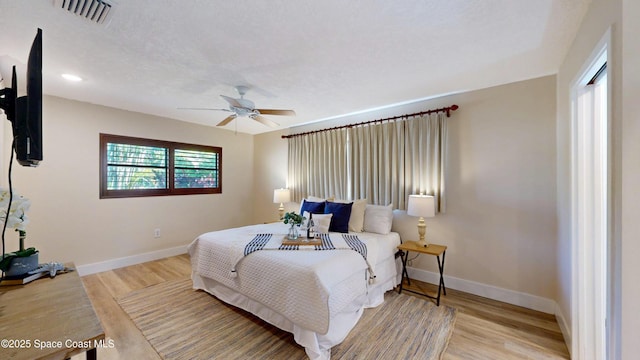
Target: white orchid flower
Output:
[(18, 214)]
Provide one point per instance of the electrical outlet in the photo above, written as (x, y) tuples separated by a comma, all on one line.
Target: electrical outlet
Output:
[(156, 233)]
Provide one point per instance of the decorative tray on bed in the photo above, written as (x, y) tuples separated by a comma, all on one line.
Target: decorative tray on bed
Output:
[(301, 241)]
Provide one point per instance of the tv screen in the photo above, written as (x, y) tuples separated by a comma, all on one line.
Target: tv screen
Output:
[(27, 124)]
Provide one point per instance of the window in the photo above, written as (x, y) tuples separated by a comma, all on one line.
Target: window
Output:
[(131, 167)]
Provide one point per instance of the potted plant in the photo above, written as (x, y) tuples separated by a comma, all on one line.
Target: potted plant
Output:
[(295, 220), (25, 259)]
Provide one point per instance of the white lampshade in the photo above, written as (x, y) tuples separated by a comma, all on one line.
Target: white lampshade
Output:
[(281, 196), (421, 205)]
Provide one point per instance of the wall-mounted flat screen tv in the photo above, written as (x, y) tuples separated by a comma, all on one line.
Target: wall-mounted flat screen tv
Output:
[(25, 112)]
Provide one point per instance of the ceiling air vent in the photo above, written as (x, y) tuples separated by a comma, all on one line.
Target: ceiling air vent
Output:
[(96, 11)]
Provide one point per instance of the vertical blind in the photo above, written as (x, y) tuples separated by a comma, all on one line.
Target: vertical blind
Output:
[(382, 162)]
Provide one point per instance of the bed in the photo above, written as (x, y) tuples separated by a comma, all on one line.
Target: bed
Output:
[(314, 292)]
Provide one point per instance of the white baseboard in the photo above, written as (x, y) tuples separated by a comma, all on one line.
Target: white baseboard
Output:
[(564, 327), (529, 301), (89, 269)]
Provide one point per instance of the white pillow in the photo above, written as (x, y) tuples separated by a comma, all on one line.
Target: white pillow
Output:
[(356, 221), (378, 219), (321, 222)]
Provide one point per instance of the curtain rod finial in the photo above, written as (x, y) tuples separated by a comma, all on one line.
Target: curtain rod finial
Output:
[(451, 108)]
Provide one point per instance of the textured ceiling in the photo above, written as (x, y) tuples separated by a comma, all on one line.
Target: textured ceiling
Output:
[(321, 58)]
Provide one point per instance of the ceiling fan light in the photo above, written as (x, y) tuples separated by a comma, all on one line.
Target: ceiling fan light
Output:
[(246, 108)]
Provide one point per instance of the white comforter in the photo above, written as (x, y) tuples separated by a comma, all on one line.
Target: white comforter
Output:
[(305, 286)]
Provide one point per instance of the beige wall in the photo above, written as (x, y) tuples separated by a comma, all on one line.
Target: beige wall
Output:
[(270, 168), (500, 221), (68, 220)]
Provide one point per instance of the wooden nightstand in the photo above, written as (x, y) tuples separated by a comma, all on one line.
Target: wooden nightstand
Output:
[(432, 249)]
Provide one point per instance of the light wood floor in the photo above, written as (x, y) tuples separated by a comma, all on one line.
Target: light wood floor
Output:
[(485, 329)]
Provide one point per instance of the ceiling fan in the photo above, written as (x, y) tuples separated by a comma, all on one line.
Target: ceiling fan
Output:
[(246, 108)]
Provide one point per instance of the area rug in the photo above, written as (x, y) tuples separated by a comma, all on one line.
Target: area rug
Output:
[(182, 323)]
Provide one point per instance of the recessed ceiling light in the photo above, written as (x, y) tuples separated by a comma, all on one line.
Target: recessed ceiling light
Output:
[(72, 77)]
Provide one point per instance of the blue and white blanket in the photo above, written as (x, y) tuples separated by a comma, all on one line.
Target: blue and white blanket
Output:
[(331, 241)]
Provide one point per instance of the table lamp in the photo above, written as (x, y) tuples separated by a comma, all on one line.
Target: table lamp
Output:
[(422, 206), (281, 196)]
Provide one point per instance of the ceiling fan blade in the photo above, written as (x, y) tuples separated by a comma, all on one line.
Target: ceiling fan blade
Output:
[(276, 112), (231, 101), (264, 120), (181, 108), (227, 120)]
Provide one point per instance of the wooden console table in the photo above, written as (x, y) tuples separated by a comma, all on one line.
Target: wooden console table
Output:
[(49, 318)]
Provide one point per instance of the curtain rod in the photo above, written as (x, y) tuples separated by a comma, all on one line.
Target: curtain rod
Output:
[(447, 109)]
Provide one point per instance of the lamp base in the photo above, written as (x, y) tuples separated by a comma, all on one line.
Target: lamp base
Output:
[(422, 243), (422, 229), (281, 211)]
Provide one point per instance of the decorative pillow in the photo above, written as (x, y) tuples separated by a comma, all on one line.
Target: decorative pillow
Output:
[(322, 222), (312, 207), (341, 214), (378, 219), (356, 221), (311, 199)]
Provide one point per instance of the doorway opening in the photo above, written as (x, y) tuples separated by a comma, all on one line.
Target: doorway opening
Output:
[(591, 206)]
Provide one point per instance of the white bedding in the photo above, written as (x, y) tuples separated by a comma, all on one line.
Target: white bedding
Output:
[(316, 294)]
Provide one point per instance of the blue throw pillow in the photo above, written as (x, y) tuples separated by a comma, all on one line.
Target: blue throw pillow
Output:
[(341, 214), (312, 207)]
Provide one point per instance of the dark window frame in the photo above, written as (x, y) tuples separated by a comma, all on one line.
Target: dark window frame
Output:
[(171, 147)]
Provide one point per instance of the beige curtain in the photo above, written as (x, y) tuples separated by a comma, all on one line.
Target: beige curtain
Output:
[(376, 163), (298, 168), (384, 163), (425, 152), (318, 165), (390, 161)]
